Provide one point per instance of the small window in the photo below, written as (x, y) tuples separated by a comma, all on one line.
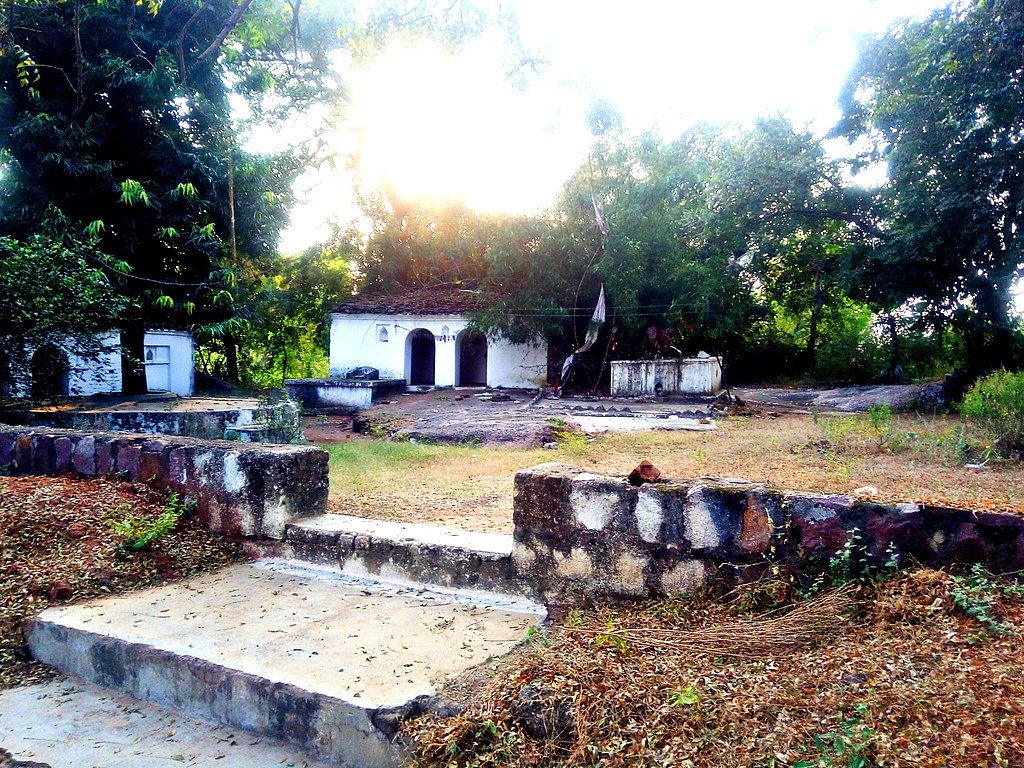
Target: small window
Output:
[(158, 353), (382, 333)]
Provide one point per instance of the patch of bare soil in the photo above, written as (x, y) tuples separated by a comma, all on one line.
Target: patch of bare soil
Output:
[(910, 672), (58, 545)]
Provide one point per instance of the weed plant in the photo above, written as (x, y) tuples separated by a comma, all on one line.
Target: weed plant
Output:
[(139, 532)]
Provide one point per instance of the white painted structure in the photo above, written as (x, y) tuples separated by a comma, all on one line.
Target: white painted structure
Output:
[(701, 375), (169, 358), (433, 350)]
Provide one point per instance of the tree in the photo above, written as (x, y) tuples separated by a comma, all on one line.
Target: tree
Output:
[(118, 117), (942, 103), (803, 230), (51, 293)]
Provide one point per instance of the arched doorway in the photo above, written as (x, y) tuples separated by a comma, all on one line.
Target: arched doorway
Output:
[(50, 373), (471, 350), (420, 351)]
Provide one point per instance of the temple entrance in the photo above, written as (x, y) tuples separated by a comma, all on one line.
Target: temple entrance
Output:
[(420, 353), (471, 360)]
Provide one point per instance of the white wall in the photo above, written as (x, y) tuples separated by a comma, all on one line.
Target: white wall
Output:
[(170, 362), (170, 369), (356, 341), (103, 374)]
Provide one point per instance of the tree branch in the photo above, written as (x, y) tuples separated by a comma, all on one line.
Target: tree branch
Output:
[(229, 25), (858, 221), (181, 37)]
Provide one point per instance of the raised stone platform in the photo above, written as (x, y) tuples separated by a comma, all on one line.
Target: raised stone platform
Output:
[(322, 661), (206, 418), (321, 395), (68, 723)]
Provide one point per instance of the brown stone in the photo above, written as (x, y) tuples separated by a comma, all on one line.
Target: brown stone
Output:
[(756, 535), (76, 531), (645, 472), (60, 590)]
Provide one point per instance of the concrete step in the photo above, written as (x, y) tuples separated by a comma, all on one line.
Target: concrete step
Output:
[(312, 657), (404, 552), (68, 723)]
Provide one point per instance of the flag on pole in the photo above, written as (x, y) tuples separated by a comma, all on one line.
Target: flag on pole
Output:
[(593, 329)]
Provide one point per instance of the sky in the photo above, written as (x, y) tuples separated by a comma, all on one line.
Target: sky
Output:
[(440, 126)]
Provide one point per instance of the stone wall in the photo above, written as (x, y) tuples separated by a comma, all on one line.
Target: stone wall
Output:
[(581, 535), (243, 490)]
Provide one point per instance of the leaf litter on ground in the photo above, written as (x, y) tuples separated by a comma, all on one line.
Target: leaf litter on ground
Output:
[(898, 675), (58, 545)]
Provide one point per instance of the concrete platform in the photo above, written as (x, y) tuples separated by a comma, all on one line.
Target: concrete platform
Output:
[(320, 660), (404, 552), (72, 724)]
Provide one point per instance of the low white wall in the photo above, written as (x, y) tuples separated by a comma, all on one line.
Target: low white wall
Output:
[(88, 377), (682, 375), (170, 362), (358, 340), (169, 365)]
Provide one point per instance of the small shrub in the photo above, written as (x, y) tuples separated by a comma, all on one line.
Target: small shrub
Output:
[(880, 423), (139, 532), (997, 403)]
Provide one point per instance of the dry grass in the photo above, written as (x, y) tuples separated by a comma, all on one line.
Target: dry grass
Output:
[(911, 681), (471, 486)]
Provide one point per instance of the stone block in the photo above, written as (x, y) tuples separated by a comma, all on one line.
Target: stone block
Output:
[(62, 449), (760, 514), (6, 450), (43, 459), (541, 498), (83, 459), (821, 524), (128, 458), (104, 456), (24, 451), (152, 465), (713, 517), (597, 503), (649, 514), (684, 577)]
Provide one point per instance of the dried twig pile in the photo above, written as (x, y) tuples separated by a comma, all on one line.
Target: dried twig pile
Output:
[(799, 627)]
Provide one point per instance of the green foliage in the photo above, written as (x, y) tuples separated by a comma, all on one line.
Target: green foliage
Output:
[(941, 101), (880, 423), (997, 403), (977, 594), (846, 747), (852, 564), (52, 293), (139, 532)]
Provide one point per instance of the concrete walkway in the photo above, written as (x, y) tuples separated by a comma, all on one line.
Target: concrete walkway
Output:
[(72, 724)]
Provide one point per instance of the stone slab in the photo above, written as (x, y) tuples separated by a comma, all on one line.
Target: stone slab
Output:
[(594, 424), (405, 552), (436, 535), (68, 723), (323, 661)]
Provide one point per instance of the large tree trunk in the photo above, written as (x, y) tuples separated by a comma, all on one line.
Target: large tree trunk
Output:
[(994, 347), (231, 357), (133, 366)]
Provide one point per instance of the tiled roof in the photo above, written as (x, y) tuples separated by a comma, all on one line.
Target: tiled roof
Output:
[(446, 300)]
